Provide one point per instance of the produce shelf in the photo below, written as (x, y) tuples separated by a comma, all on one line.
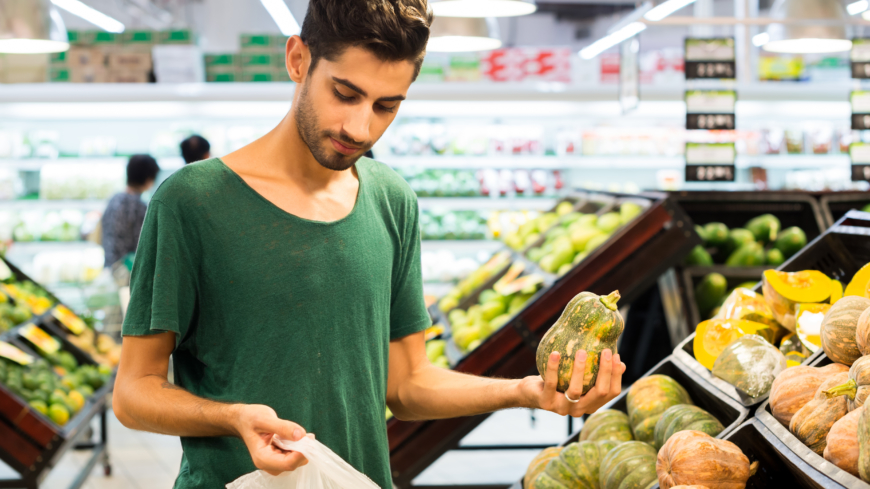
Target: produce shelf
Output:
[(630, 261), (836, 205), (734, 275), (839, 253)]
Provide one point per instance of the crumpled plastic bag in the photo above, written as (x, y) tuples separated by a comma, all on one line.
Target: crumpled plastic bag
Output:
[(324, 470)]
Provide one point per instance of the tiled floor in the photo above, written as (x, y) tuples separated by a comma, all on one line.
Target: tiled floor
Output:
[(148, 461)]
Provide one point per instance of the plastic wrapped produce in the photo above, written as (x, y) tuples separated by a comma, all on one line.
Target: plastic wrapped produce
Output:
[(750, 364)]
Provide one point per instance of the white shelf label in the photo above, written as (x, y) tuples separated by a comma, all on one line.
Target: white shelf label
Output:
[(711, 101), (710, 154)]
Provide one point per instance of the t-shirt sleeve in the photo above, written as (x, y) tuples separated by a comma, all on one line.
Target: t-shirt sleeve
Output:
[(162, 285), (408, 312)]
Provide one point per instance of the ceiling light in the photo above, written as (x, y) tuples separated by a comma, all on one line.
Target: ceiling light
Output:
[(665, 9), (826, 37), (282, 16), (95, 17), (482, 8), (31, 27), (857, 7), (611, 40), (866, 15), (759, 40), (463, 34)]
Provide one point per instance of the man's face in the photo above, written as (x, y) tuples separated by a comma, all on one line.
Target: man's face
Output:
[(344, 106)]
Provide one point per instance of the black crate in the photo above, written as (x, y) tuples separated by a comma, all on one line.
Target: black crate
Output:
[(778, 467), (835, 206), (839, 253), (730, 413), (735, 276)]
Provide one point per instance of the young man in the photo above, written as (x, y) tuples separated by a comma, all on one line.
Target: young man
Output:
[(123, 217), (285, 278)]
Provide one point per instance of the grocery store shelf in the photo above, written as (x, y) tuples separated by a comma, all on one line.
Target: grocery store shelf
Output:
[(790, 162), (33, 247), (42, 204), (461, 246), (534, 162), (36, 164), (487, 203)]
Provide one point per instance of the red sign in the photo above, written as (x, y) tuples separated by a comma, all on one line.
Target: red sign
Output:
[(527, 64)]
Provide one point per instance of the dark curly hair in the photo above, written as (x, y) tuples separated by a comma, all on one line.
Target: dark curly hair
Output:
[(392, 30)]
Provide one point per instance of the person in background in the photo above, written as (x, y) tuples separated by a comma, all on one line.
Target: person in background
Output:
[(195, 148), (125, 213)]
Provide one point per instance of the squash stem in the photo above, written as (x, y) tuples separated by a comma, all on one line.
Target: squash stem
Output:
[(610, 301), (849, 389)]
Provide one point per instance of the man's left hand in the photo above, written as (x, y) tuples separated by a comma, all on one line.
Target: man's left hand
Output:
[(543, 394)]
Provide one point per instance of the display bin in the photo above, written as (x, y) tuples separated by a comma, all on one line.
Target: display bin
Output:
[(836, 205), (631, 262), (734, 275), (30, 443), (729, 412), (840, 252)]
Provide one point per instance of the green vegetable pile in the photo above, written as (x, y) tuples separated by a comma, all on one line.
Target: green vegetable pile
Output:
[(712, 291), (493, 311), (760, 242), (435, 353)]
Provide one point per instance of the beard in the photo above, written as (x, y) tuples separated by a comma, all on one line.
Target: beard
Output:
[(312, 135)]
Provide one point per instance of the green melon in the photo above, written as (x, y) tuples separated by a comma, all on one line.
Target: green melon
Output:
[(607, 424), (685, 417), (647, 399), (576, 467), (631, 465)]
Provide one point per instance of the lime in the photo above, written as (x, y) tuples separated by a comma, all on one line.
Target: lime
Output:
[(76, 401), (57, 397), (67, 361), (86, 390), (39, 406), (58, 413)]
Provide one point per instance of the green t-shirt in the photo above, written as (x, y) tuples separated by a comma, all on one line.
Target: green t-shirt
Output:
[(269, 308)]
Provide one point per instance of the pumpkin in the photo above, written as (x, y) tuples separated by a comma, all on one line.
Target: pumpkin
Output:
[(842, 442), (713, 335), (647, 399), (862, 332), (808, 324), (858, 285), (750, 364), (839, 329), (607, 424), (864, 445), (836, 291), (857, 387), (589, 322), (812, 422), (684, 417), (538, 464), (746, 304), (576, 467), (694, 457), (795, 387), (784, 290), (631, 465)]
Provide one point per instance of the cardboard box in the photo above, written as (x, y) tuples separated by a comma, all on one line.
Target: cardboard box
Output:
[(57, 59), (58, 75), (255, 60), (181, 36), (226, 61), (132, 61), (88, 74), (140, 37), (128, 76), (256, 43), (221, 77), (279, 43), (178, 64), (93, 38), (23, 75), (257, 75), (85, 57)]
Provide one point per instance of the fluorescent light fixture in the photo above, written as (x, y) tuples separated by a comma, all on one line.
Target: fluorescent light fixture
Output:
[(759, 40), (822, 38), (31, 27), (857, 7), (663, 10), (282, 16), (95, 17), (611, 40), (482, 8), (32, 46), (808, 46), (463, 34)]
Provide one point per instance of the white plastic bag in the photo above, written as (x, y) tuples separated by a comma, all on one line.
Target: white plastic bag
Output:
[(324, 470)]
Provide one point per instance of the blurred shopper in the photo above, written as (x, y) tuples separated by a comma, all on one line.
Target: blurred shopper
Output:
[(123, 218), (195, 148)]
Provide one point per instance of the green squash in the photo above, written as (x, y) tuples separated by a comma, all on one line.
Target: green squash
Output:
[(647, 399), (738, 365), (631, 465), (790, 241), (698, 256), (607, 424), (684, 417), (576, 467), (710, 291), (715, 234), (748, 255), (765, 228), (589, 322), (538, 464)]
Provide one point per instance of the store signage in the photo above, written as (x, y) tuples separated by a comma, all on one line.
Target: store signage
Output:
[(710, 162), (860, 101), (860, 155), (629, 75), (710, 58), (710, 109), (860, 58)]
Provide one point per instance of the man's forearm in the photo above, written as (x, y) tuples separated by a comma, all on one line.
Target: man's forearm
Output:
[(435, 393), (152, 403)]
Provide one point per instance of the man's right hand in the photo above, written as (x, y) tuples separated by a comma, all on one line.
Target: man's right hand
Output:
[(256, 425)]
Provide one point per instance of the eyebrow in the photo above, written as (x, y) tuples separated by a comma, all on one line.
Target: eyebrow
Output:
[(349, 84)]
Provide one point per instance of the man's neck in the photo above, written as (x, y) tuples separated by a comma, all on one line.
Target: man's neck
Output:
[(135, 190)]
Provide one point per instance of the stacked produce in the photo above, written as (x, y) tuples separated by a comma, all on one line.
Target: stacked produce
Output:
[(530, 231), (435, 353), (762, 241), (476, 279), (576, 236)]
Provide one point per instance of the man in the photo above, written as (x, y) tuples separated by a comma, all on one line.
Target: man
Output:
[(285, 278), (195, 148), (122, 220)]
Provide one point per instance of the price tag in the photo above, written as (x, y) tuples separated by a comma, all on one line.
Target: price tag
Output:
[(710, 162), (710, 122), (711, 101), (709, 173), (860, 58), (860, 101), (9, 352), (710, 58), (40, 339), (73, 323), (860, 155)]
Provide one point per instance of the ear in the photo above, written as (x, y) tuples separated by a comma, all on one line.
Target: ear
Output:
[(298, 58)]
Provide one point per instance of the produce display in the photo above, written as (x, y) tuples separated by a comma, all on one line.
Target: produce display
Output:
[(762, 241), (683, 417), (750, 363), (813, 421), (453, 225), (631, 464), (589, 322), (648, 399), (696, 458), (435, 353), (530, 231), (20, 301), (575, 236), (476, 279), (842, 442), (795, 387), (576, 466), (606, 424)]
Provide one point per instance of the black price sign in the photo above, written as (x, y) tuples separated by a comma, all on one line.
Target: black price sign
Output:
[(860, 58), (860, 101), (709, 173), (710, 109), (710, 58), (860, 122), (860, 173), (710, 162), (710, 121), (860, 155)]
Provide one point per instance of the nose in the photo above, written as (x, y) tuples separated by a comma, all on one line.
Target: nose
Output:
[(357, 124)]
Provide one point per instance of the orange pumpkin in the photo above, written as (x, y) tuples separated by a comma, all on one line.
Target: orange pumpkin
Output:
[(796, 386), (842, 447), (693, 457), (862, 334), (812, 422)]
